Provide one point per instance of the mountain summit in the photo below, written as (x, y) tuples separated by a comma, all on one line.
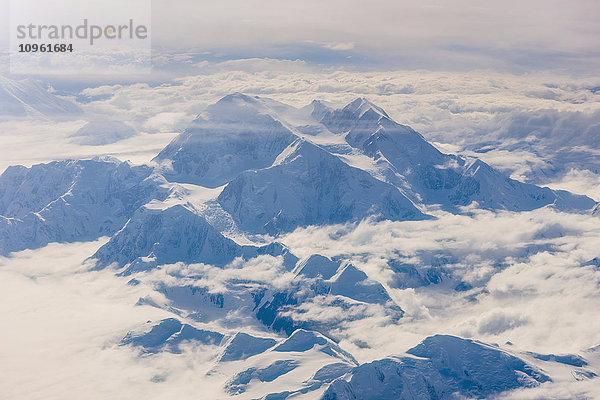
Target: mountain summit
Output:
[(242, 139)]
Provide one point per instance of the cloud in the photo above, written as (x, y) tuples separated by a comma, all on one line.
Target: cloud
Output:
[(60, 326), (30, 141), (166, 122), (528, 283), (461, 33), (530, 287), (497, 321), (262, 269), (526, 271), (579, 181)]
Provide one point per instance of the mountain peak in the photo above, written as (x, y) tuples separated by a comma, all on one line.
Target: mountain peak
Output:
[(242, 346), (239, 96), (361, 106), (307, 185), (236, 134), (316, 265), (302, 340), (318, 109), (167, 234)]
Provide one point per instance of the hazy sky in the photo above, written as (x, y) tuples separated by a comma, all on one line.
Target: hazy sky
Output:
[(512, 35), (461, 34)]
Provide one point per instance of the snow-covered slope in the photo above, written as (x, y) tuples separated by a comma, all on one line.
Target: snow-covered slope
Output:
[(165, 236), (242, 134), (429, 176), (302, 363), (162, 233), (309, 186), (251, 366), (168, 335), (241, 346), (445, 367), (320, 282), (28, 97), (234, 135), (309, 363), (194, 250), (68, 201), (316, 266)]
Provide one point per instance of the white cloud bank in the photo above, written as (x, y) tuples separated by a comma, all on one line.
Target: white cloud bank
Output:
[(60, 331), (62, 322), (529, 283)]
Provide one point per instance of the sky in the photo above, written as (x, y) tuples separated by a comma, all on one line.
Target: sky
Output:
[(458, 35), (509, 35)]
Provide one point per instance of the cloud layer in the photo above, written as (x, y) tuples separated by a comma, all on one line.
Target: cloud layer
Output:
[(530, 286)]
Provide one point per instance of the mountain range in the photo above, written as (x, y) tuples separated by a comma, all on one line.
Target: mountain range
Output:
[(222, 194)]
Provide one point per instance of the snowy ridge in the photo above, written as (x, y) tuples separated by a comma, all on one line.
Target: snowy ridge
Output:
[(309, 186), (440, 367), (68, 201), (431, 177), (168, 335), (320, 281), (448, 367), (163, 233)]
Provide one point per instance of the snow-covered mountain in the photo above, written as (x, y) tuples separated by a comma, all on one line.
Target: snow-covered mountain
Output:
[(168, 334), (159, 234), (254, 365), (29, 97), (306, 185), (234, 135), (440, 367), (193, 234), (318, 281), (282, 306), (445, 367), (430, 176), (249, 142), (166, 236), (74, 200)]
